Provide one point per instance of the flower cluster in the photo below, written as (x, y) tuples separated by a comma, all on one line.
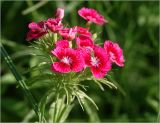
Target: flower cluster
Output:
[(75, 49)]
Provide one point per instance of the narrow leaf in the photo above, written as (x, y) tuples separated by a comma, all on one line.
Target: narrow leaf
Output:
[(82, 94)]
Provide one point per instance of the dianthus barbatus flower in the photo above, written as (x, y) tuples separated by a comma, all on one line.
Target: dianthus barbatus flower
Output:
[(98, 61), (68, 60), (68, 33), (54, 24), (91, 15), (115, 52), (36, 30)]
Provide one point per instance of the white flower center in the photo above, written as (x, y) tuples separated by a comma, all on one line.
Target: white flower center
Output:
[(66, 60), (94, 61)]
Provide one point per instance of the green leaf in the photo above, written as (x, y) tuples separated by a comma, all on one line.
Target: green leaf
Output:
[(106, 82), (65, 112), (79, 100), (117, 84), (42, 104), (13, 44), (40, 66), (59, 106), (28, 117), (59, 110), (92, 113), (67, 95), (8, 78), (99, 84), (82, 95), (36, 79), (56, 109)]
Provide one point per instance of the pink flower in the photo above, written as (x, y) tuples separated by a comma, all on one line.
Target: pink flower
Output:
[(54, 24), (98, 61), (85, 45), (68, 33), (84, 42), (83, 31), (62, 44), (69, 60), (36, 30), (60, 13), (115, 52), (91, 15)]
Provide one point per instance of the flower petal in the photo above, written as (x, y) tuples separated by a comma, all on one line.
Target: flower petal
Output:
[(97, 72), (78, 62), (83, 41), (62, 44), (61, 67)]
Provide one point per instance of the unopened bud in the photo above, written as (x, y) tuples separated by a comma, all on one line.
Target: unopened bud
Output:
[(60, 13)]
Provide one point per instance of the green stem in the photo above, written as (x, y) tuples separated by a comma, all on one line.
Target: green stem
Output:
[(19, 79), (88, 24), (55, 37)]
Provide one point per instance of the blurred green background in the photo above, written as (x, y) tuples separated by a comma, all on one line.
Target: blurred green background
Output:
[(134, 25)]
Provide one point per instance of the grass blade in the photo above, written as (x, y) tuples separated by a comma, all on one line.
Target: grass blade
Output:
[(19, 79), (34, 7)]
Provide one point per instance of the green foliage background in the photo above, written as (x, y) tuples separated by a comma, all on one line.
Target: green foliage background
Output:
[(134, 25)]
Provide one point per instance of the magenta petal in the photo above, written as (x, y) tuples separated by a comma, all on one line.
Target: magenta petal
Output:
[(78, 63), (85, 42), (33, 26), (54, 24), (97, 72), (59, 52), (62, 44), (78, 67), (83, 31), (61, 67), (68, 33), (34, 35)]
